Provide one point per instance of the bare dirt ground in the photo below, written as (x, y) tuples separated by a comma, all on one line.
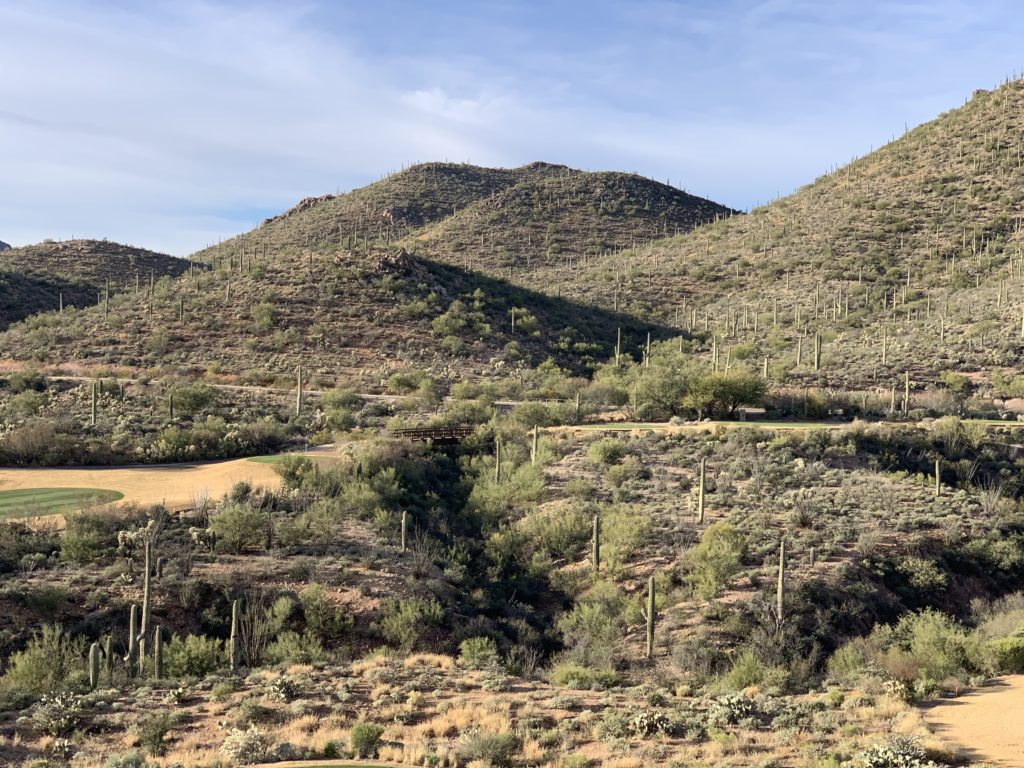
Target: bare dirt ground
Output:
[(985, 723), (177, 486)]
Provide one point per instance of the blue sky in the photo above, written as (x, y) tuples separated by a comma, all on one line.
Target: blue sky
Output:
[(174, 124)]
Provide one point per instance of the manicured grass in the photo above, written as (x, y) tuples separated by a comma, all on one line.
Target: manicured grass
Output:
[(47, 501), (274, 459)]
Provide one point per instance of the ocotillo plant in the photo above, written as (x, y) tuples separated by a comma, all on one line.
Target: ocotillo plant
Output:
[(94, 666), (233, 640), (650, 617), (595, 545)]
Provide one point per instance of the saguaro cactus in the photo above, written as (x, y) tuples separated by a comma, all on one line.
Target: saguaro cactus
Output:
[(133, 640), (108, 654), (906, 393), (536, 444), (817, 351), (298, 396), (92, 404), (650, 617), (938, 479), (233, 640), (700, 492), (147, 607), (405, 529), (595, 545), (497, 460), (780, 588), (158, 653), (618, 345), (94, 666)]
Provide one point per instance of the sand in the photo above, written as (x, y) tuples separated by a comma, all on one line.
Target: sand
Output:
[(987, 723)]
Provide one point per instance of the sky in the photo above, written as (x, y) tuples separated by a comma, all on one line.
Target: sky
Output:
[(172, 125)]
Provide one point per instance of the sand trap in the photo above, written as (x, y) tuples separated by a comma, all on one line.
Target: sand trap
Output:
[(985, 723), (175, 485)]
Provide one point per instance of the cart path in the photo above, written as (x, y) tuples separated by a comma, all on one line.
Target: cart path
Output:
[(984, 723)]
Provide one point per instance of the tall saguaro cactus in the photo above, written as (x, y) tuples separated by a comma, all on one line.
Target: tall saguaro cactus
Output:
[(534, 451), (405, 529), (700, 492), (158, 653), (298, 396), (92, 404), (233, 640), (938, 478), (94, 666), (780, 588), (147, 606), (650, 617), (133, 640), (595, 545)]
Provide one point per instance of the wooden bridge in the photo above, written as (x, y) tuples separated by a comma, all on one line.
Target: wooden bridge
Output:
[(437, 435)]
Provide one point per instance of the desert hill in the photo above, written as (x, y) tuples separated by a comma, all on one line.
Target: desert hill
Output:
[(37, 278)]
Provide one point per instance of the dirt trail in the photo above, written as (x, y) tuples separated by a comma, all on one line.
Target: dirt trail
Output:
[(985, 723), (175, 485)]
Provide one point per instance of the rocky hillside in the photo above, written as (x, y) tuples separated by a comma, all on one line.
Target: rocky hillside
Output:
[(36, 278), (915, 248), (558, 216), (354, 315), (4, 246)]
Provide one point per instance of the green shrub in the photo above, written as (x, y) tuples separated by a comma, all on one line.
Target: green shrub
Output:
[(323, 618), (478, 652), (712, 564), (497, 750), (88, 536), (193, 656), (25, 381), (365, 739), (51, 661), (579, 677), (292, 648), (153, 730), (130, 759), (606, 451), (404, 622), (1007, 655), (193, 398), (239, 526)]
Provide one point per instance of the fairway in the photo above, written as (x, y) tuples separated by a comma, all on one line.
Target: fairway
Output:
[(51, 500)]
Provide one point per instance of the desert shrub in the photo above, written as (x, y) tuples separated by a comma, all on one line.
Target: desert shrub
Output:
[(1007, 655), (153, 730), (404, 622), (51, 661), (88, 536), (365, 739), (245, 747), (130, 759), (572, 675), (559, 532), (190, 399), (25, 404), (292, 648), (478, 652), (497, 750), (746, 670), (295, 470), (26, 381), (323, 618), (239, 526), (713, 563), (606, 451), (623, 531), (193, 656)]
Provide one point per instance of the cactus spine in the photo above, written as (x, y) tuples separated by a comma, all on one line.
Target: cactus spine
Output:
[(650, 617), (233, 641), (94, 666), (595, 545)]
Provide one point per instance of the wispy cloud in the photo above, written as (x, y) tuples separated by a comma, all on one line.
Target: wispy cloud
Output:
[(174, 124)]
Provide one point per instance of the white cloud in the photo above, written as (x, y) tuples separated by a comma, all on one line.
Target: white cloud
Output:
[(174, 124)]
